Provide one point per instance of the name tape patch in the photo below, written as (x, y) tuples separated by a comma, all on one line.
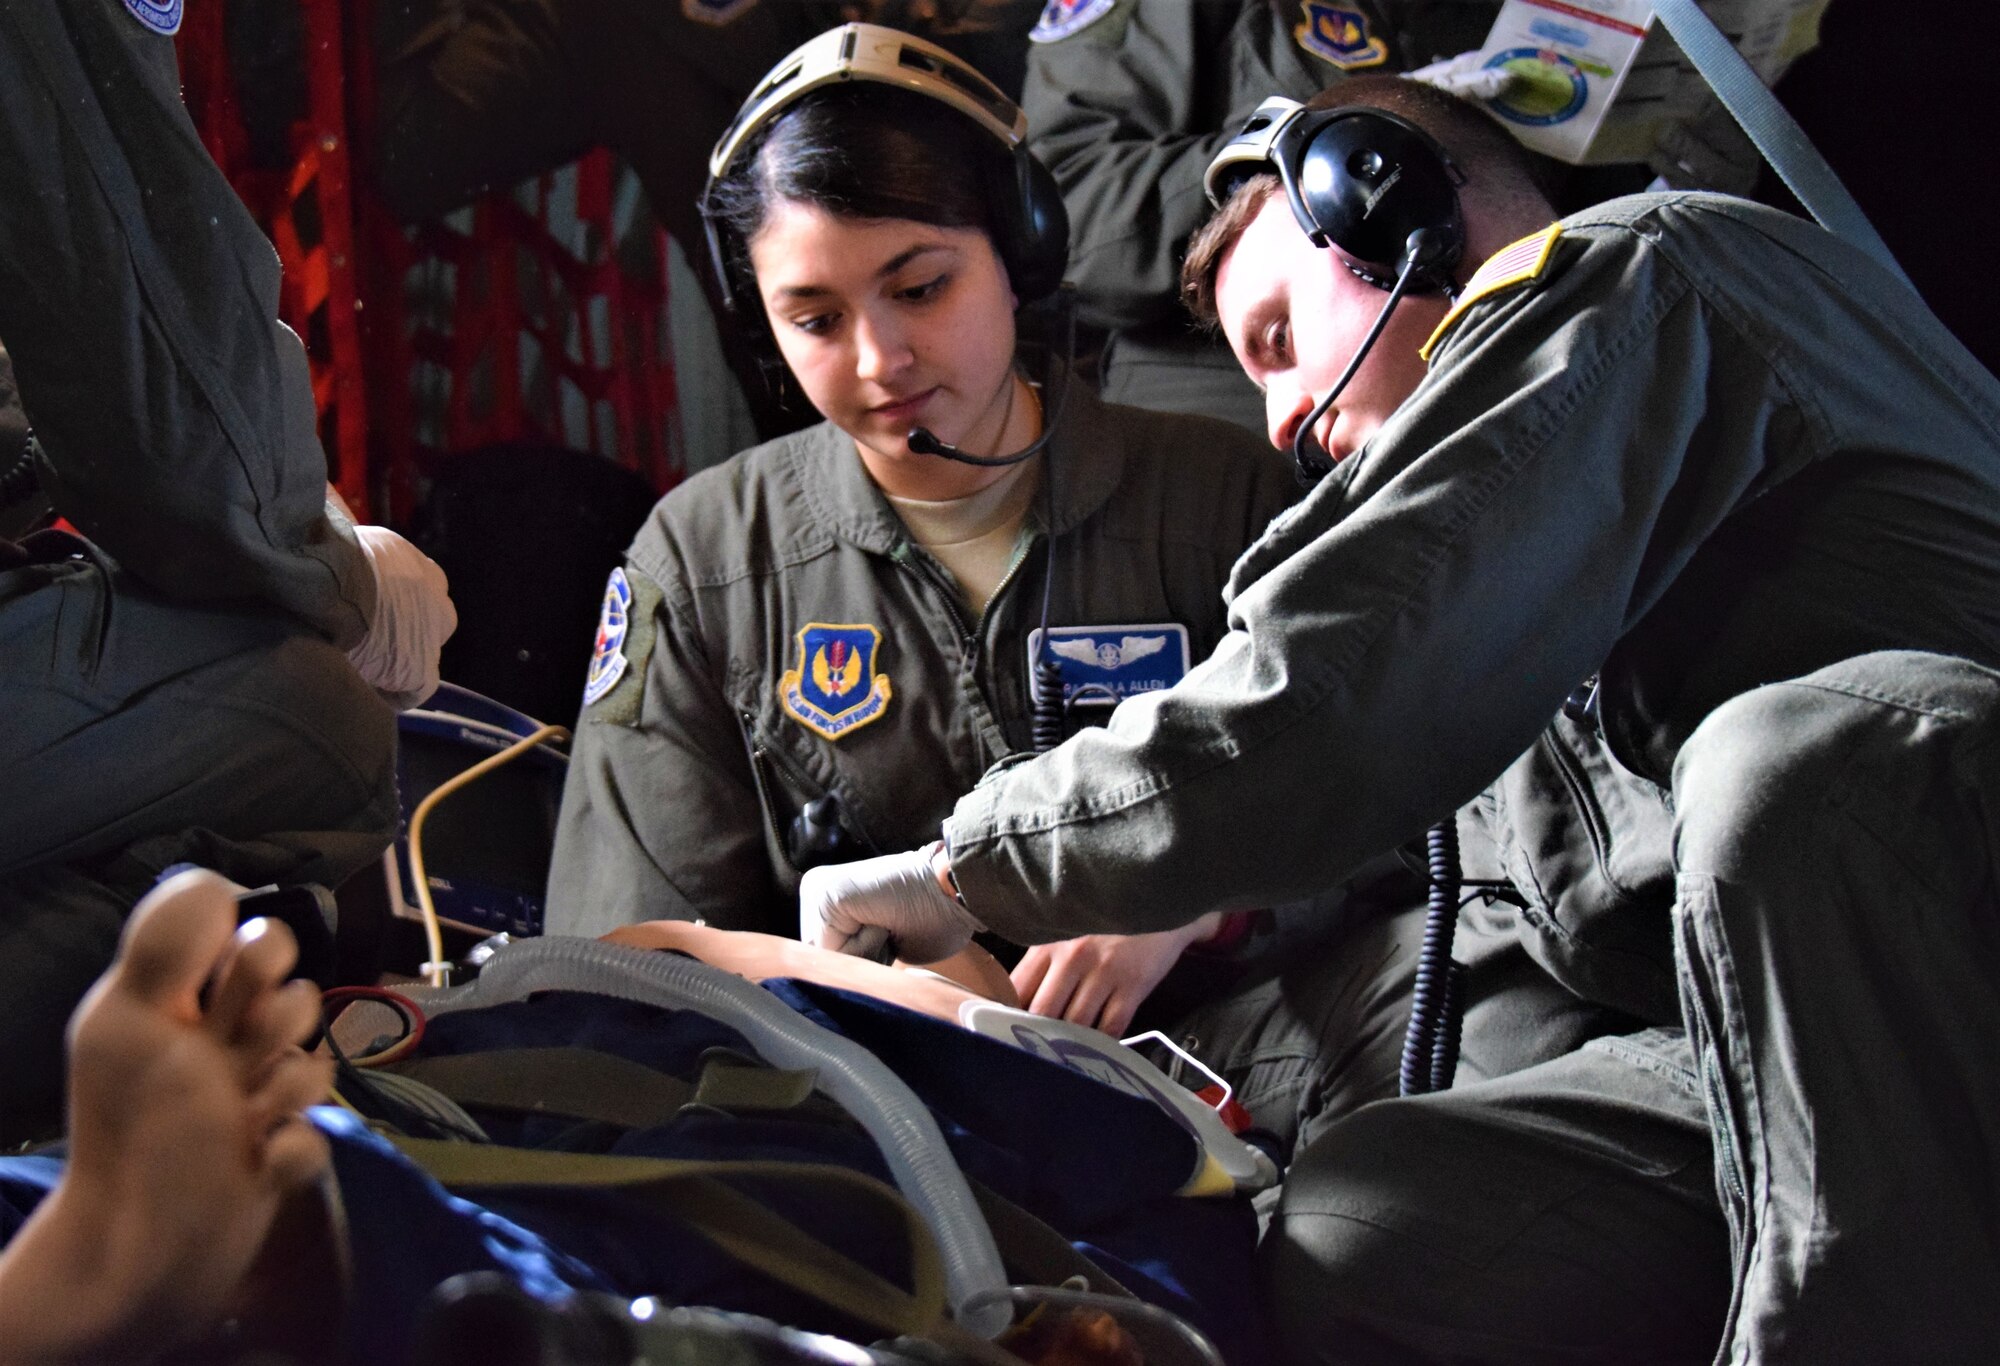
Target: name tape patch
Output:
[(1060, 18), (1103, 665)]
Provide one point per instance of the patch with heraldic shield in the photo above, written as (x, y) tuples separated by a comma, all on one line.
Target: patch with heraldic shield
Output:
[(1336, 34), (1103, 665), (835, 690), (161, 16)]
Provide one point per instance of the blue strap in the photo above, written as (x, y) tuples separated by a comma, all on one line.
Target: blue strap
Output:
[(1775, 132)]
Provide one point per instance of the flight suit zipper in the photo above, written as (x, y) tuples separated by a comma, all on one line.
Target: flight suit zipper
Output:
[(971, 637), (969, 633), (1724, 1140), (906, 555), (1021, 554)]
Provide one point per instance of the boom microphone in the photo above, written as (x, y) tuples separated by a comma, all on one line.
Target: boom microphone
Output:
[(924, 443)]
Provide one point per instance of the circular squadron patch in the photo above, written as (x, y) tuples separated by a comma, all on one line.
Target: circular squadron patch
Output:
[(614, 623), (161, 16), (1060, 18)]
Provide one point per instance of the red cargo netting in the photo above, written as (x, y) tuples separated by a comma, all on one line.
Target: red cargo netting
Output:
[(535, 315)]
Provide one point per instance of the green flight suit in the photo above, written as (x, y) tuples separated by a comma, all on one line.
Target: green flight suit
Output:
[(1127, 112), (1740, 474), (173, 688), (687, 775)]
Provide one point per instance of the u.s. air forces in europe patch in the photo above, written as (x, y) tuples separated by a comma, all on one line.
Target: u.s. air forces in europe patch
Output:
[(1339, 34), (836, 689)]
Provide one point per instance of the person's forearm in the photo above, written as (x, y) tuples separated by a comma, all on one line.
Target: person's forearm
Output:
[(1401, 636)]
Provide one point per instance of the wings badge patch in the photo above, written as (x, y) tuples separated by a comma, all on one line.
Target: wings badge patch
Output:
[(1103, 665), (835, 690), (1336, 34), (161, 16)]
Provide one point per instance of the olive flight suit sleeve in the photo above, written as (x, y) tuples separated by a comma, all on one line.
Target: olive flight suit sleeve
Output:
[(139, 301), (1405, 632), (660, 816), (1126, 114)]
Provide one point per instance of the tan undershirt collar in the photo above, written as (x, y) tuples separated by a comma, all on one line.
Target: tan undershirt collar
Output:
[(974, 536)]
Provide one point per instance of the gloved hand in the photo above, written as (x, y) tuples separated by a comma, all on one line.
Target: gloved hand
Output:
[(839, 903), (413, 619)]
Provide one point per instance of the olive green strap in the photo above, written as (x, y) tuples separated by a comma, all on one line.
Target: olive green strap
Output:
[(1036, 1253), (582, 1083), (578, 1083), (699, 1196)]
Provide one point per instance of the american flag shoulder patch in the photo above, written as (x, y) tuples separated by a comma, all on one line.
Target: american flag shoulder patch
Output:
[(1504, 269)]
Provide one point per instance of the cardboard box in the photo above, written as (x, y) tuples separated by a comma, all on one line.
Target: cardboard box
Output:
[(1600, 79)]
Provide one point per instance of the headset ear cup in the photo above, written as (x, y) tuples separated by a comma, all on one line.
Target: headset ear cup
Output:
[(1032, 234), (1368, 182)]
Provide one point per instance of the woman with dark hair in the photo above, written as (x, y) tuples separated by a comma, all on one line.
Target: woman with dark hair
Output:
[(815, 648)]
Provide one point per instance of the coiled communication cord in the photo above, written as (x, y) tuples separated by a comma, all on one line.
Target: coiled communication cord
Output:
[(1430, 1047), (1048, 707)]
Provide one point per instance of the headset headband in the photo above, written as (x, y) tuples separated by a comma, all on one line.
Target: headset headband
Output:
[(1254, 150), (870, 52)]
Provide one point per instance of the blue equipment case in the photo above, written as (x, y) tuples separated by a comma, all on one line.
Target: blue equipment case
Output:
[(487, 846)]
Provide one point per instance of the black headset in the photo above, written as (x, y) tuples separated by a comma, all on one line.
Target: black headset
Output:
[(1031, 228), (1361, 179)]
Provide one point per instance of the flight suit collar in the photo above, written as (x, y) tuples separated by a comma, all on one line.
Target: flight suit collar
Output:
[(1086, 462)]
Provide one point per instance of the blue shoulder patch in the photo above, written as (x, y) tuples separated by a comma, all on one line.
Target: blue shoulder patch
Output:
[(607, 660), (1060, 18), (161, 16)]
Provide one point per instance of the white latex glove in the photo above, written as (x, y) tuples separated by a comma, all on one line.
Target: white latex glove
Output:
[(413, 619), (847, 906)]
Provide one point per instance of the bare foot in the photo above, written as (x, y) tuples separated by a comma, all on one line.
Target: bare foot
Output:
[(186, 1133)]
